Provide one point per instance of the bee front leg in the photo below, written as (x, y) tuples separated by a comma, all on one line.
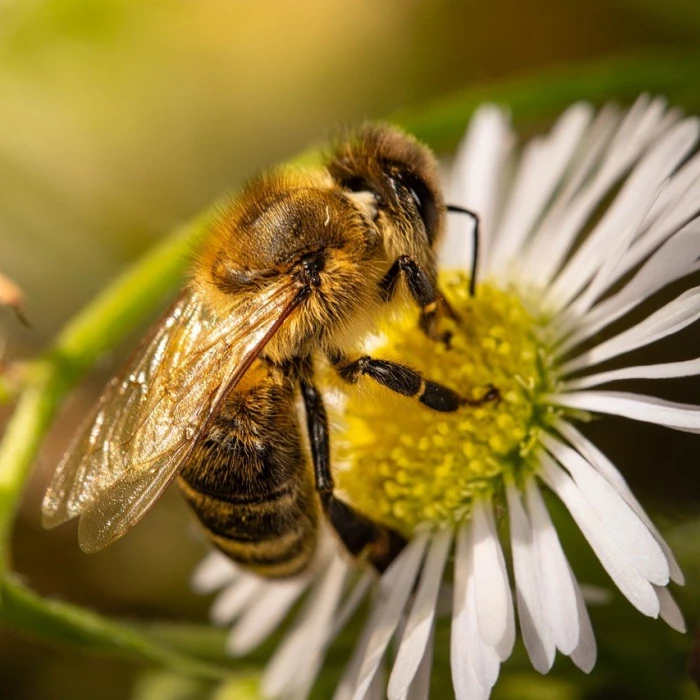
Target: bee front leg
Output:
[(424, 292), (407, 382), (362, 537)]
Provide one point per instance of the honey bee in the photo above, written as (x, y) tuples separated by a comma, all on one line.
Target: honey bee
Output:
[(298, 267)]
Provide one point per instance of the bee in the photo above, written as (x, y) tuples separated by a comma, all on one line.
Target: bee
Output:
[(297, 268)]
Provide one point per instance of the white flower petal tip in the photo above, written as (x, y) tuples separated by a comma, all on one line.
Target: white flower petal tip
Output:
[(670, 612), (557, 586), (623, 525), (492, 589), (586, 651), (581, 226), (475, 664), (234, 599), (263, 615), (212, 573)]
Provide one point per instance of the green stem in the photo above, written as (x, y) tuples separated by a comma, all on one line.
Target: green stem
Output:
[(544, 94), (59, 622)]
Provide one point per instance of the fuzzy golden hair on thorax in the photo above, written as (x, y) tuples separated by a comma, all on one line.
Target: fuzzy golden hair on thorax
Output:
[(259, 238)]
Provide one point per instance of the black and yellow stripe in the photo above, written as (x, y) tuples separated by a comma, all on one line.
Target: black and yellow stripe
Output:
[(249, 481)]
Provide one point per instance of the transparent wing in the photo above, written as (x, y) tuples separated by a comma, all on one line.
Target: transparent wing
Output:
[(151, 415)]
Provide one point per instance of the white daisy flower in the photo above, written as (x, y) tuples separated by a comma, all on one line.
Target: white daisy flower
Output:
[(578, 230)]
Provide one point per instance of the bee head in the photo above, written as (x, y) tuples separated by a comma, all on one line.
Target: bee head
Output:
[(401, 175)]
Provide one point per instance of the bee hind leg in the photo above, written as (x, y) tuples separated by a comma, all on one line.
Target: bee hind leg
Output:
[(362, 537)]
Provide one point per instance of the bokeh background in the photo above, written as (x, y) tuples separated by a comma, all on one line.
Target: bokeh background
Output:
[(119, 119)]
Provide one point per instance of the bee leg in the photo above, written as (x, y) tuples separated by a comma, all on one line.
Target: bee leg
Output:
[(407, 382), (429, 318), (423, 290), (362, 537)]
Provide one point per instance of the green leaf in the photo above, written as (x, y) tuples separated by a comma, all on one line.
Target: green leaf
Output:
[(166, 685), (543, 95), (242, 687), (58, 622)]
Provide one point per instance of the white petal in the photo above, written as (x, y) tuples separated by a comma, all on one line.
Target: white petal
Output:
[(394, 590), (638, 128), (537, 634), (264, 616), (676, 258), (213, 572), (377, 686), (649, 409), (459, 640), (611, 473), (234, 599), (484, 661), (670, 612), (491, 586), (637, 193), (630, 582), (667, 370), (474, 665), (421, 618), (550, 242), (352, 602), (622, 523), (642, 123), (300, 652), (558, 590), (584, 656), (420, 688), (346, 687), (670, 319), (542, 167), (615, 250), (477, 182), (677, 205)]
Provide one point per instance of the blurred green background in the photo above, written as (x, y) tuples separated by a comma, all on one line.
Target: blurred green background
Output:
[(119, 119)]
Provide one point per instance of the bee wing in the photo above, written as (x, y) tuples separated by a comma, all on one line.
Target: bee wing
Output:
[(151, 415)]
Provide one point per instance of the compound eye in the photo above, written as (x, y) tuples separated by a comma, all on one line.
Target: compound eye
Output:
[(422, 198)]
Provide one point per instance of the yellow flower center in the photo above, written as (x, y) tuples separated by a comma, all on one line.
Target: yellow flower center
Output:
[(409, 466)]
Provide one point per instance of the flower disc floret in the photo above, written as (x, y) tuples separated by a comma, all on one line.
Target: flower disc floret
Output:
[(411, 467)]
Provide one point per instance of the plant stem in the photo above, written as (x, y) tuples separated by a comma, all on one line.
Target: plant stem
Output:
[(55, 621), (542, 95)]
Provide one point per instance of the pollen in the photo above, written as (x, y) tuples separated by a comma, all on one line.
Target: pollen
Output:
[(411, 467)]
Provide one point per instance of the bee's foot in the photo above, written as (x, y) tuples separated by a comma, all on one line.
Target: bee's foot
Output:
[(492, 395)]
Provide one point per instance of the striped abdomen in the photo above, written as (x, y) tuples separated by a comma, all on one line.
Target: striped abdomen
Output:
[(249, 480)]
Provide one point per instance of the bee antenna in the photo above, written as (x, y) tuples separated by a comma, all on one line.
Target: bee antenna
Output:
[(453, 208)]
